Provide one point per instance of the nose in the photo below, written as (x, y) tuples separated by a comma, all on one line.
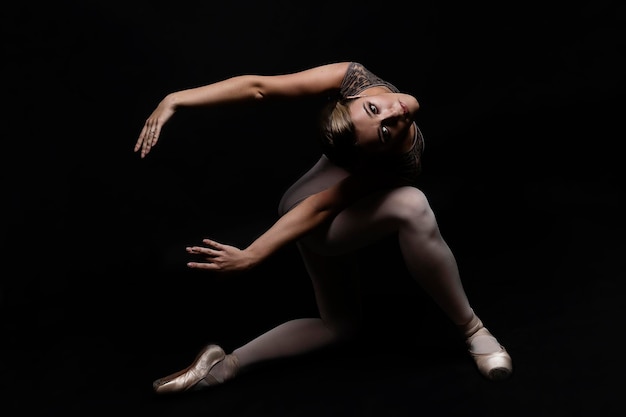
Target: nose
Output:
[(395, 111)]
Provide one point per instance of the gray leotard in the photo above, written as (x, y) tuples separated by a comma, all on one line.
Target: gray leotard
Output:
[(328, 171)]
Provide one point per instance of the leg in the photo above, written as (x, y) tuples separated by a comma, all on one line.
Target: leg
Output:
[(405, 211), (335, 283), (336, 287), (337, 296)]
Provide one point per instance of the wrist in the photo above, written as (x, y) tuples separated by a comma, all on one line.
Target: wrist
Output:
[(173, 101), (254, 256)]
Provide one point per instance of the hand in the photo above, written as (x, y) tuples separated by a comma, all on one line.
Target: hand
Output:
[(152, 128), (220, 257)]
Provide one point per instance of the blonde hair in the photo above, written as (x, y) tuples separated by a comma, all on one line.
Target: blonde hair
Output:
[(337, 131)]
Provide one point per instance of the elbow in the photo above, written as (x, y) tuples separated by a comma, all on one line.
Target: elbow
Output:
[(258, 94), (250, 87), (258, 90), (322, 211)]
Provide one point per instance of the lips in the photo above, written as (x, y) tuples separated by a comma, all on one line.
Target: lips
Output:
[(405, 111)]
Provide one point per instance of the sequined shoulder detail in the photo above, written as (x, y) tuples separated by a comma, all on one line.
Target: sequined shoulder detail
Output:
[(359, 78)]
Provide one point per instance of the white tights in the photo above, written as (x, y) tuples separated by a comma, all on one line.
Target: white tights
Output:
[(328, 257)]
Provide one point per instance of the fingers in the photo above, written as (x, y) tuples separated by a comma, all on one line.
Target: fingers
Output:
[(213, 255), (213, 244), (150, 139), (209, 254), (147, 138), (212, 250), (204, 266)]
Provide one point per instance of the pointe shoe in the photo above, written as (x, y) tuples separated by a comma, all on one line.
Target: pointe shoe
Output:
[(495, 366), (229, 367), (194, 373)]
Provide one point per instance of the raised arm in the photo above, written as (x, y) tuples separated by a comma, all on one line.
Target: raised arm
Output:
[(312, 212), (241, 89)]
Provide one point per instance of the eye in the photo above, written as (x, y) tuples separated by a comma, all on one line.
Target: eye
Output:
[(373, 108), (386, 134)]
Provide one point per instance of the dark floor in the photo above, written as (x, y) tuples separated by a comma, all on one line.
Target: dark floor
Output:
[(523, 166)]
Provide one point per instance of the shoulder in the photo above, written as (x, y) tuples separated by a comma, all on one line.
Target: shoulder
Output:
[(358, 78)]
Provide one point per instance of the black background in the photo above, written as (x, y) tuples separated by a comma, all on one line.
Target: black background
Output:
[(522, 110)]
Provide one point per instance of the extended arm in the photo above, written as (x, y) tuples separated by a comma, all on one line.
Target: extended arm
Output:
[(296, 223), (241, 89)]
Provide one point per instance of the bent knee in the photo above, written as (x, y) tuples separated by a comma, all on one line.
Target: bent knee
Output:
[(410, 203)]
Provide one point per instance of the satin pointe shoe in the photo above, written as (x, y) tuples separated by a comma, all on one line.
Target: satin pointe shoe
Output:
[(495, 366), (186, 379), (228, 369)]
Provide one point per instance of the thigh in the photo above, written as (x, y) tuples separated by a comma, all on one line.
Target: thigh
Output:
[(368, 220), (336, 284)]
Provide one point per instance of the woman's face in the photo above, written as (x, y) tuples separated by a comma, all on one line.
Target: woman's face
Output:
[(383, 121)]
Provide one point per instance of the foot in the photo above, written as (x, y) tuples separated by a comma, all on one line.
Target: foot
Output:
[(491, 358), (194, 373), (220, 373)]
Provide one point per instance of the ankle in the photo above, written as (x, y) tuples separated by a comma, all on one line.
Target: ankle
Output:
[(471, 327), (478, 338), (227, 369)]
